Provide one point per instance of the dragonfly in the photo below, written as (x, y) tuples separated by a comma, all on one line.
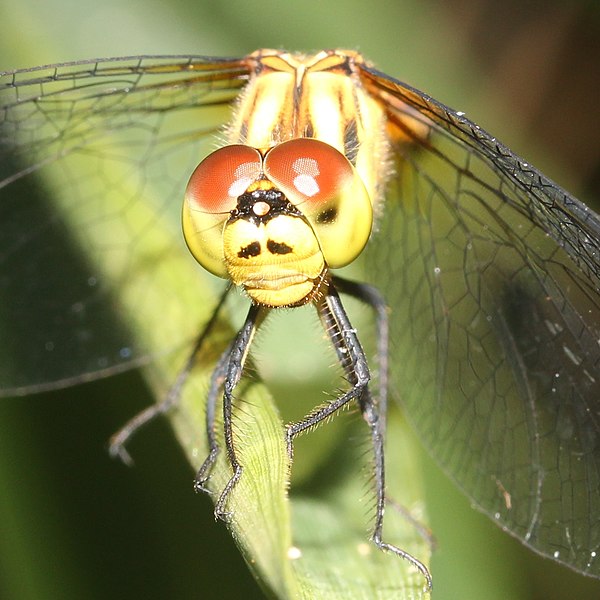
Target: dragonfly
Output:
[(483, 273)]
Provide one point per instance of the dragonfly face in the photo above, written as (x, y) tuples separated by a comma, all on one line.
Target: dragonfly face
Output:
[(490, 270)]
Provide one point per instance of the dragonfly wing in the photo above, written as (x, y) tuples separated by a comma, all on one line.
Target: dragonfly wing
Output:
[(492, 275), (94, 160)]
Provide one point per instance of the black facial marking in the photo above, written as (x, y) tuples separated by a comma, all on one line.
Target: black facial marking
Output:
[(278, 247), (250, 250), (278, 205), (327, 216)]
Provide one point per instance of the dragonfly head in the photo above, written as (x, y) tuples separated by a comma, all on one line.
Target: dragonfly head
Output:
[(275, 220)]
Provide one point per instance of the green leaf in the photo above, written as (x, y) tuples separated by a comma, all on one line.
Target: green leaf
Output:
[(314, 545)]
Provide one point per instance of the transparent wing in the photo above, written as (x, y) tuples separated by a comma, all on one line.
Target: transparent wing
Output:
[(492, 273), (94, 159)]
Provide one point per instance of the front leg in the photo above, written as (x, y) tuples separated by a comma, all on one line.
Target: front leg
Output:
[(353, 360), (350, 355), (229, 371)]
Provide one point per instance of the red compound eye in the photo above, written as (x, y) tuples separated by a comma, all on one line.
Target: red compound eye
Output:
[(322, 183), (308, 170), (221, 177), (211, 195)]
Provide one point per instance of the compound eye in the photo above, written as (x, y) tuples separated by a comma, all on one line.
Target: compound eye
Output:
[(222, 177), (211, 194), (307, 170), (323, 184)]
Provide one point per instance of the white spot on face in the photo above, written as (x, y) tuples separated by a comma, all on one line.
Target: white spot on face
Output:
[(294, 553), (260, 208)]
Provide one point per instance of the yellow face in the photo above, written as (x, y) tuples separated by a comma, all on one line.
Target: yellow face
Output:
[(293, 194), (273, 253)]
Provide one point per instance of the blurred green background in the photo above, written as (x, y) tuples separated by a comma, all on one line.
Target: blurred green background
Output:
[(73, 523)]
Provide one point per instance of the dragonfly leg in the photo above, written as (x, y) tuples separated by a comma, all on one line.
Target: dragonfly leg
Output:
[(371, 415), (228, 373), (349, 353), (216, 383), (119, 440), (373, 409), (371, 296)]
